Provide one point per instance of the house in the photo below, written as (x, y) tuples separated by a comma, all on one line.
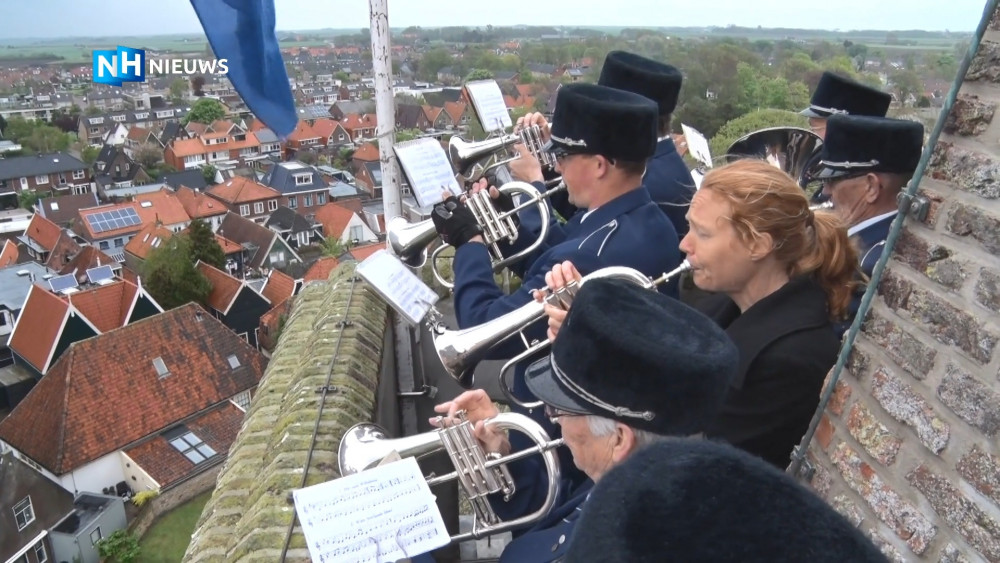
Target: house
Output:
[(50, 321), (63, 210), (302, 186), (411, 116), (439, 119), (92, 518), (222, 144), (47, 243), (197, 205), (359, 126), (368, 169), (115, 168), (9, 253), (193, 179), (264, 247), (107, 396), (331, 133), (234, 302), (279, 289), (142, 244), (163, 207), (295, 230), (340, 223), (303, 138), (30, 505), (87, 259), (55, 173), (250, 199), (460, 113), (270, 147), (110, 227)]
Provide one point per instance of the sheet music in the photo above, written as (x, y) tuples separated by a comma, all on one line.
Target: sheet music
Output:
[(697, 145), (490, 108), (385, 513), (427, 169), (407, 293)]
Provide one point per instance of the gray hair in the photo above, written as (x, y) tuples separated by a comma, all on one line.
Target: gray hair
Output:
[(600, 427)]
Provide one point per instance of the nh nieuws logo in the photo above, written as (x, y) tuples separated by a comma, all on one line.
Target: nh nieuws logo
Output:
[(126, 64)]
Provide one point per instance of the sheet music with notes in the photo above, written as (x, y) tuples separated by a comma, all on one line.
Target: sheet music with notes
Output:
[(697, 145), (487, 99), (427, 169), (399, 286), (383, 514)]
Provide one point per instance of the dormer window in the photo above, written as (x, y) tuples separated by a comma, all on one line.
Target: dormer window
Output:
[(303, 179)]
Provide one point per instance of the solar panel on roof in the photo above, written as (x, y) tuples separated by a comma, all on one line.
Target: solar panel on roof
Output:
[(99, 273), (114, 219), (62, 283)]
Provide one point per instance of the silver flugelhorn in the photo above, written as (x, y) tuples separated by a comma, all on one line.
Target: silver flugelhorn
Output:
[(467, 157), (789, 148), (409, 241), (461, 350), (480, 474)]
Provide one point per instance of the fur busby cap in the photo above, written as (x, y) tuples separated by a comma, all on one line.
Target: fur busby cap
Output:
[(695, 500), (593, 119), (858, 144), (637, 356), (835, 94), (657, 81)]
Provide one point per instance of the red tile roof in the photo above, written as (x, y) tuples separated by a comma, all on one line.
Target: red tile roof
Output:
[(225, 288), (43, 231), (107, 306), (38, 327), (199, 205), (166, 465), (88, 257), (151, 236), (84, 224), (334, 218), (320, 270), (361, 252), (242, 190), (65, 422), (367, 152), (9, 254), (162, 206), (278, 287)]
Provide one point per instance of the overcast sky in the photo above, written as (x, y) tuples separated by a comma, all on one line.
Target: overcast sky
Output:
[(49, 18)]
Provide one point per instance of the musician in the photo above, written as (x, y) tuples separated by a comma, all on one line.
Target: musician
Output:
[(836, 94), (667, 178), (695, 500), (782, 274), (865, 162), (630, 368)]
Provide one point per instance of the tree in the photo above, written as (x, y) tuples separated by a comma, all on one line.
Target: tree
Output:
[(178, 87), (332, 247), (209, 171), (433, 61), (204, 246), (28, 199), (119, 547), (148, 155), (89, 154), (479, 74), (171, 277), (407, 134), (205, 110)]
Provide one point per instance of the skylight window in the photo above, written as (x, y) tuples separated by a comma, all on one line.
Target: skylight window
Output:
[(161, 368)]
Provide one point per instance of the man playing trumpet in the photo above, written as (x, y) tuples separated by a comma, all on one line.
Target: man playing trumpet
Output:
[(630, 368)]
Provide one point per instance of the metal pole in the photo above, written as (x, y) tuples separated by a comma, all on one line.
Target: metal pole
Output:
[(385, 112)]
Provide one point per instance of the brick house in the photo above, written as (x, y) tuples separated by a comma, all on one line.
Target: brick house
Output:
[(56, 173), (247, 198), (302, 186), (221, 144)]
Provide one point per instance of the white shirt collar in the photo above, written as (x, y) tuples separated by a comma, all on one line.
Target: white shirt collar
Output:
[(587, 214), (868, 223)]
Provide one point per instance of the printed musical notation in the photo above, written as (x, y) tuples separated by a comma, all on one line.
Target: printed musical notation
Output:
[(487, 99), (427, 169), (380, 515), (400, 287)]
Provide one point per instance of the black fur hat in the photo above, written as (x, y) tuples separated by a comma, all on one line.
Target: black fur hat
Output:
[(857, 143), (657, 81), (593, 119), (637, 356), (835, 94), (692, 500)]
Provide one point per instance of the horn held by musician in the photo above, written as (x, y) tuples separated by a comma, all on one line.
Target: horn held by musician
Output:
[(781, 275), (695, 500), (631, 367)]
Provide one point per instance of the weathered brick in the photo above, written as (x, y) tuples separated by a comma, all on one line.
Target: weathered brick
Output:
[(902, 517), (983, 471), (880, 443), (820, 480), (986, 64), (966, 220), (988, 289), (824, 432), (887, 549), (906, 406), (971, 399), (933, 260), (857, 362), (848, 509), (967, 170), (951, 554), (947, 323), (909, 352), (976, 526), (969, 116), (841, 393), (995, 21)]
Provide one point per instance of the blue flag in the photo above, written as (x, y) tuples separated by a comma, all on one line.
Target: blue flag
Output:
[(242, 32)]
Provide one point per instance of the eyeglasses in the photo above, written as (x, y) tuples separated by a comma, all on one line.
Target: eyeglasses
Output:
[(554, 414), (830, 182)]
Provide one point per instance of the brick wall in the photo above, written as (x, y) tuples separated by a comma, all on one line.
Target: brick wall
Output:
[(173, 497), (907, 448)]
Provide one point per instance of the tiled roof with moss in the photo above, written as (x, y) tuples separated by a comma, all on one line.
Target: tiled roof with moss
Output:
[(249, 514)]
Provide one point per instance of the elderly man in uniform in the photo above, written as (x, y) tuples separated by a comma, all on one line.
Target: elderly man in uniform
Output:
[(630, 367), (864, 165), (836, 95), (694, 500)]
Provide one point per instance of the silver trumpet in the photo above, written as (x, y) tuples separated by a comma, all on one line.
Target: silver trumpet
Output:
[(365, 445), (461, 350), (822, 206), (409, 241), (467, 157)]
